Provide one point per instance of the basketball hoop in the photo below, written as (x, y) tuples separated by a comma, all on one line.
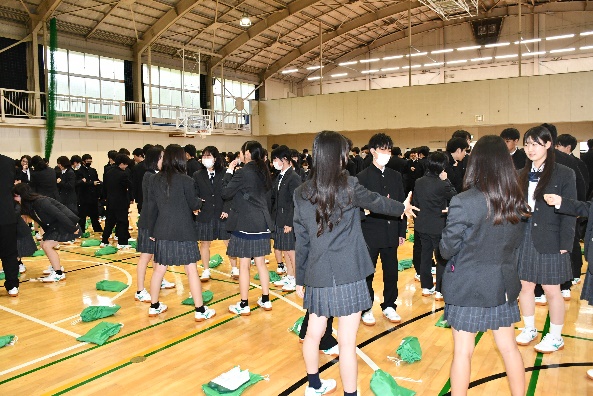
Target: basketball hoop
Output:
[(204, 132)]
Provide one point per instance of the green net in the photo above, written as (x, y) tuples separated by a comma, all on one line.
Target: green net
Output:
[(383, 384), (442, 322), (296, 327), (90, 243), (106, 250), (274, 277), (404, 264), (215, 261), (112, 286), (50, 119), (212, 389), (207, 296), (7, 340), (38, 253), (101, 333), (98, 312), (409, 349)]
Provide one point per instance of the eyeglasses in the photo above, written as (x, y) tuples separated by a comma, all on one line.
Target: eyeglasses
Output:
[(533, 144)]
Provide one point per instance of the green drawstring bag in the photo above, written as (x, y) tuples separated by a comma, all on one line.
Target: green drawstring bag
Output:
[(215, 261), (274, 277), (134, 244), (411, 238), (86, 235), (207, 296), (112, 286), (383, 384), (8, 340), (87, 224), (231, 379), (404, 264), (409, 350), (101, 333), (296, 327), (95, 312), (442, 323), (3, 275), (106, 250), (583, 250), (38, 253), (33, 233), (90, 242)]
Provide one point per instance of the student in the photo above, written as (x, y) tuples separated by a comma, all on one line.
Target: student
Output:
[(544, 256), (24, 171), (116, 184), (58, 222), (193, 165), (332, 259), (211, 220), (25, 242), (67, 185), (511, 137), (383, 234), (43, 179), (249, 221), (282, 214), (171, 199), (480, 240), (8, 226), (89, 195), (456, 150), (432, 194)]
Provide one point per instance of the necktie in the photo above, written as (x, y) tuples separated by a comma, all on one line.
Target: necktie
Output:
[(211, 178), (280, 180), (534, 176)]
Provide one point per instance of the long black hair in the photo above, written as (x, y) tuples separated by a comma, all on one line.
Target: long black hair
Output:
[(153, 155), (213, 151), (37, 163), (27, 195), (328, 178), (539, 135), (257, 155), (490, 169), (174, 162)]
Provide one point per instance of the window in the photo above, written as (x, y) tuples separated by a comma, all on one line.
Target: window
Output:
[(233, 90), (166, 88)]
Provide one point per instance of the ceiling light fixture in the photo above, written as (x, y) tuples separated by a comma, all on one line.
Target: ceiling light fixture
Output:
[(497, 45), (393, 57), (506, 56), (419, 54), (455, 62), (339, 75), (586, 47), (441, 51), (369, 60), (486, 58), (473, 47), (347, 63), (556, 51), (534, 40), (534, 53), (434, 64), (370, 71), (289, 71), (388, 69), (587, 33), (314, 78), (559, 37), (413, 67), (245, 21), (313, 67)]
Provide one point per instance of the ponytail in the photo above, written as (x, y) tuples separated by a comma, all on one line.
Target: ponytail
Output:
[(257, 155)]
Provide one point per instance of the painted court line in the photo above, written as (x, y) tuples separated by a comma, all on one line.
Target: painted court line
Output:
[(39, 321), (42, 358)]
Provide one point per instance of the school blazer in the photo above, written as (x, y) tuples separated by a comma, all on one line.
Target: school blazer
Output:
[(138, 172), (552, 231), (67, 187), (213, 204), (116, 184), (431, 195), (7, 215), (146, 180), (582, 209), (339, 255), (53, 215), (43, 182), (249, 208), (282, 203), (483, 257)]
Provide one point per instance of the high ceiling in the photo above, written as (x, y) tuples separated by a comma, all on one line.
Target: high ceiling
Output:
[(284, 33)]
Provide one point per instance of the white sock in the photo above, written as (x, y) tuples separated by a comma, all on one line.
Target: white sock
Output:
[(556, 330), (529, 322)]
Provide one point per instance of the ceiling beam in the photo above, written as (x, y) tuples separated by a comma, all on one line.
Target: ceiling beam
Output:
[(44, 11), (107, 15)]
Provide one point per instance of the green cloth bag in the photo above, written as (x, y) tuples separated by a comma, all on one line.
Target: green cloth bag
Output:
[(134, 244), (106, 250), (86, 235), (253, 379), (7, 340), (95, 312), (215, 261), (274, 277), (409, 349), (90, 242), (442, 323), (112, 286), (296, 327), (38, 253), (404, 264), (411, 238), (101, 333), (207, 296), (383, 384)]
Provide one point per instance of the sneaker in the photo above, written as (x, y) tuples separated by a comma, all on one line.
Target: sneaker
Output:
[(526, 336), (566, 294), (280, 270), (53, 277), (22, 268), (427, 292), (282, 281), (541, 300), (238, 310), (266, 306), (368, 319), (208, 314), (391, 315), (14, 292), (234, 273), (124, 247), (38, 236), (102, 245), (417, 277), (266, 261), (549, 344), (333, 351), (433, 270), (57, 247), (205, 276), (438, 296), (50, 269), (290, 285), (576, 281), (152, 312), (143, 296), (327, 386), (590, 374), (167, 285)]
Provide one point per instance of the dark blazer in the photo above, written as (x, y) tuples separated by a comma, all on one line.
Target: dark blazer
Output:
[(552, 231), (519, 157), (455, 173), (367, 161), (431, 196), (137, 178), (116, 184), (339, 255), (381, 230), (146, 180), (282, 203), (351, 167), (193, 165), (170, 208), (50, 214), (584, 172), (23, 176), (43, 182), (358, 162), (249, 208), (572, 163), (414, 174), (107, 168), (213, 204), (89, 192), (7, 214), (397, 164), (483, 257), (81, 186), (587, 158), (581, 209), (67, 187)]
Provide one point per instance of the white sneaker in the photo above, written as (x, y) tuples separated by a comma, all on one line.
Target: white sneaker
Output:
[(238, 310), (433, 270), (391, 315), (167, 285), (576, 280), (542, 300), (205, 276), (327, 387), (234, 273), (417, 277), (152, 312), (281, 270), (282, 281), (549, 344), (590, 374), (526, 336), (14, 292), (368, 319), (438, 296), (143, 296), (50, 269), (208, 313), (290, 284), (333, 351), (427, 292), (22, 268), (38, 236), (566, 294), (266, 306), (266, 261), (102, 245), (124, 247), (53, 277)]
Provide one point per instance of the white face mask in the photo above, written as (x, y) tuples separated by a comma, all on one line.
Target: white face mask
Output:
[(208, 162), (277, 165), (77, 167), (363, 155), (383, 159)]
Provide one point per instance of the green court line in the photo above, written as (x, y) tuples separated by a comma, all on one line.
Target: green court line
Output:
[(538, 361), (447, 387)]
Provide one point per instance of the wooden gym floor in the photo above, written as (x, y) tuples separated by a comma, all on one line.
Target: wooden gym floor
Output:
[(172, 353)]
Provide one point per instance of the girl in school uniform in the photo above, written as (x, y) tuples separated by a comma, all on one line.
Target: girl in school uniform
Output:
[(146, 246), (25, 243), (58, 222), (211, 220), (544, 256), (249, 221), (332, 260), (171, 201)]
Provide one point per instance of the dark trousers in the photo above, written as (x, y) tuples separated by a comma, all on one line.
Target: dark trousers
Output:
[(327, 341), (430, 246), (90, 210), (119, 219), (390, 275), (416, 252), (576, 260), (8, 255)]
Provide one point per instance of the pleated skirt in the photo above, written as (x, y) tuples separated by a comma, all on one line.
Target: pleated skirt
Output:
[(176, 252), (213, 230), (26, 246), (474, 319), (145, 244), (338, 300), (587, 292), (282, 240), (60, 235), (241, 247)]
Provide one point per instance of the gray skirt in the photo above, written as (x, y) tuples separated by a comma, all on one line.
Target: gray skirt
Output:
[(587, 292), (26, 246), (145, 244), (240, 247), (176, 252), (543, 269), (215, 229), (474, 319), (283, 241), (338, 300)]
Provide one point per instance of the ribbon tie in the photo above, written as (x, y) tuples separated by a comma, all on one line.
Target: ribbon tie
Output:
[(534, 176)]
